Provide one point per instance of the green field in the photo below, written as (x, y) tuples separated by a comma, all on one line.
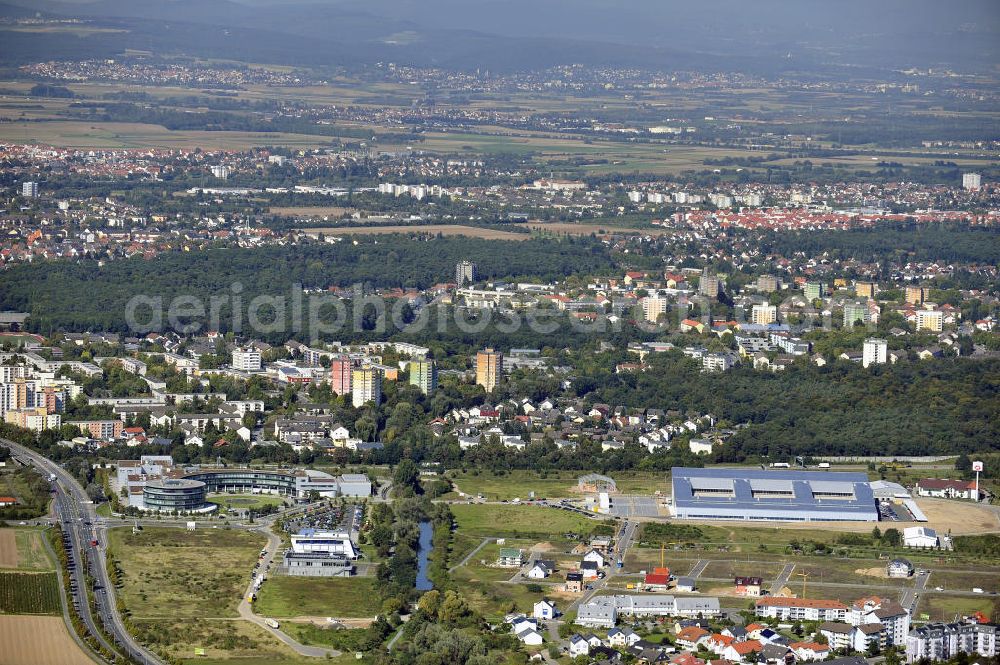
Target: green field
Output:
[(946, 608), (224, 641), (171, 573), (520, 521), (246, 501), (554, 484), (343, 639), (29, 593), (953, 580), (341, 597)]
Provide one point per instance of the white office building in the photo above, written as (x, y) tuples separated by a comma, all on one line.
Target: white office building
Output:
[(309, 541)]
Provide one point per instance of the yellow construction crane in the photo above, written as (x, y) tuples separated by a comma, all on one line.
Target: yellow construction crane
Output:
[(805, 578)]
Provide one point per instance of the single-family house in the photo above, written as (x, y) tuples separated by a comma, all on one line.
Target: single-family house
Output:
[(622, 638), (739, 652), (540, 569), (589, 570), (544, 609), (685, 584), (510, 557), (748, 586), (809, 650), (578, 646), (596, 557), (692, 636)]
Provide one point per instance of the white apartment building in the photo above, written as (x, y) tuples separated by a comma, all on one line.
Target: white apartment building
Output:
[(971, 181), (762, 315), (930, 319), (941, 641), (366, 386), (246, 360), (653, 307), (801, 609), (874, 352)]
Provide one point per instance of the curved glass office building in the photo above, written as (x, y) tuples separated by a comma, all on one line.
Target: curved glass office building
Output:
[(181, 494), (245, 481)]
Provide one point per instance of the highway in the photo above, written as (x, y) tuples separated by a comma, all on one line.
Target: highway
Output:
[(78, 518)]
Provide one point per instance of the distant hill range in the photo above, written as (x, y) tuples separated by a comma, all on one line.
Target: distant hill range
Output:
[(855, 37)]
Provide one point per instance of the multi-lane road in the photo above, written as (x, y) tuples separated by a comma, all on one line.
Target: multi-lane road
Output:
[(81, 528)]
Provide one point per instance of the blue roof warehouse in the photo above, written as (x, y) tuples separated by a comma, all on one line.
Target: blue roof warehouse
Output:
[(755, 494)]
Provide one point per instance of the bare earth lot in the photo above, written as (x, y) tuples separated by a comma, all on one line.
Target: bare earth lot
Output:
[(310, 211), (8, 549), (57, 647), (587, 229)]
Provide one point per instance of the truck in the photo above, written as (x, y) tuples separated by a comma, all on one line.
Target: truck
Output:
[(52, 477), (272, 623)]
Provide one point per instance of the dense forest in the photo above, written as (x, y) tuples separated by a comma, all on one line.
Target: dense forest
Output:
[(841, 409), (61, 295), (906, 240)]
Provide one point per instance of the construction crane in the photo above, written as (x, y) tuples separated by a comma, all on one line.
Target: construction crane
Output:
[(805, 578)]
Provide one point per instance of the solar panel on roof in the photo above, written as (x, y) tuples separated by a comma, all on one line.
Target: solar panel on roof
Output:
[(711, 483)]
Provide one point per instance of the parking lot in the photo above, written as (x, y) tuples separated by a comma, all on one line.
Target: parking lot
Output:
[(329, 517), (890, 512)]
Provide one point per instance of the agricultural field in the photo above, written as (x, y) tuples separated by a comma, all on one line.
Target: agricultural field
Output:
[(173, 573), (90, 134), (58, 648), (23, 549), (585, 229), (443, 229), (29, 593), (310, 211), (487, 520), (346, 597)]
